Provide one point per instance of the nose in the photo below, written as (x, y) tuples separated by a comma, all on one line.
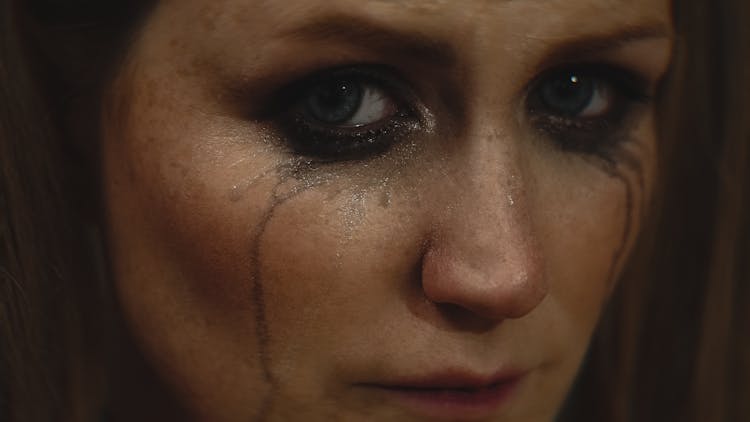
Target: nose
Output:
[(485, 256)]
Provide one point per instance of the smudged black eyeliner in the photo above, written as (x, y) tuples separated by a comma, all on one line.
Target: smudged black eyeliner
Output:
[(600, 136), (326, 143)]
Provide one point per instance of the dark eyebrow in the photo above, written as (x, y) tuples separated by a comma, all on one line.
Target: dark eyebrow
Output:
[(562, 50), (409, 45), (419, 47)]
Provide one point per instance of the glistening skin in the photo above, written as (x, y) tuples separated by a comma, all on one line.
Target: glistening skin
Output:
[(308, 202)]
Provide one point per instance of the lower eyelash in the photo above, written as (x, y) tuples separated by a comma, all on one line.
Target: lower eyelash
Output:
[(339, 144), (598, 136), (315, 140)]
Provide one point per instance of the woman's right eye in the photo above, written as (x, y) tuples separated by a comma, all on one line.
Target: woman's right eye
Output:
[(349, 104), (348, 114)]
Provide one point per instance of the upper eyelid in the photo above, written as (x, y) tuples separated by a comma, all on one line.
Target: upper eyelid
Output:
[(603, 52), (411, 96), (375, 37), (578, 50)]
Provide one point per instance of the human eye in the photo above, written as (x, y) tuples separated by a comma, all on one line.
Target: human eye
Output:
[(585, 108), (348, 113)]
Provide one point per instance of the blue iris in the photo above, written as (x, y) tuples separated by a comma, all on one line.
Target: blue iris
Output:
[(334, 102), (569, 95)]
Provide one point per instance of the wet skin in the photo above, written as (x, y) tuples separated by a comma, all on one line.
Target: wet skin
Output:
[(270, 270)]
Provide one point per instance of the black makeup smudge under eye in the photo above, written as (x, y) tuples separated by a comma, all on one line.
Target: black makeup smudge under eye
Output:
[(305, 176), (348, 113), (612, 169), (286, 171), (628, 226), (585, 108)]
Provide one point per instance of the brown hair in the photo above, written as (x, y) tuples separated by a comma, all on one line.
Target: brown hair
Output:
[(55, 312), (672, 345)]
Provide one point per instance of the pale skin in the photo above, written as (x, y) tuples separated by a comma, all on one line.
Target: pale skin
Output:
[(263, 284)]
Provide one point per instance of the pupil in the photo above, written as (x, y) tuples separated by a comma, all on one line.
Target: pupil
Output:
[(569, 95), (334, 102)]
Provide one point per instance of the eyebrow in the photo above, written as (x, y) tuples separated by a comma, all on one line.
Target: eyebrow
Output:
[(359, 31), (591, 45), (418, 46)]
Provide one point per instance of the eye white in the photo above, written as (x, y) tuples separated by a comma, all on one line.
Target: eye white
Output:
[(602, 99), (374, 107)]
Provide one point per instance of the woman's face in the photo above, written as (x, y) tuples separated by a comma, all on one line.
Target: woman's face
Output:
[(379, 210)]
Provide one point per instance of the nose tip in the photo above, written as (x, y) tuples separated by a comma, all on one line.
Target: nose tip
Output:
[(484, 253), (504, 286)]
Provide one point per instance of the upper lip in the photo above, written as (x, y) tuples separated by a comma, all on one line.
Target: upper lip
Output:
[(453, 380)]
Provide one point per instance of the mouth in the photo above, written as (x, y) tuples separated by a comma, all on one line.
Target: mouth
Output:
[(453, 396)]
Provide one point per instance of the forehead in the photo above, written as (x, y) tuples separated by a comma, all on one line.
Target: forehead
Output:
[(251, 37), (465, 18)]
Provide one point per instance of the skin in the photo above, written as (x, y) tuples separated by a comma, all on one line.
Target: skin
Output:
[(260, 288)]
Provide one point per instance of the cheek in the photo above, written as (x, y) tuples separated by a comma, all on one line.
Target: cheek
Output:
[(180, 243), (581, 257), (586, 231), (582, 226), (216, 248), (589, 216), (332, 261)]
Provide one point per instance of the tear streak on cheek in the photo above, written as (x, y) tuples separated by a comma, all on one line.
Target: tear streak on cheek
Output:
[(287, 187), (295, 176), (633, 196), (619, 253)]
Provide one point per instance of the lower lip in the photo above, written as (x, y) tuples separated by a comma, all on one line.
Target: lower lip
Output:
[(454, 404)]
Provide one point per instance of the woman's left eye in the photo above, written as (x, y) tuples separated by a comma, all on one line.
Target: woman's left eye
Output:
[(348, 114), (578, 96), (583, 108)]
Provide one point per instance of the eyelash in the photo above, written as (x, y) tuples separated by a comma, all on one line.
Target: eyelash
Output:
[(339, 143), (599, 135), (327, 142)]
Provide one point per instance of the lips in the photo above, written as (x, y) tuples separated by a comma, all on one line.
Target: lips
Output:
[(452, 395)]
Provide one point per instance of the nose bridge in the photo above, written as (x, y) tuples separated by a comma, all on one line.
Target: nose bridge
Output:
[(489, 209), (493, 195), (485, 255)]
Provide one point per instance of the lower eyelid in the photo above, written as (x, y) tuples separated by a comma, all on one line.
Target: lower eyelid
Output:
[(602, 138), (332, 144)]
